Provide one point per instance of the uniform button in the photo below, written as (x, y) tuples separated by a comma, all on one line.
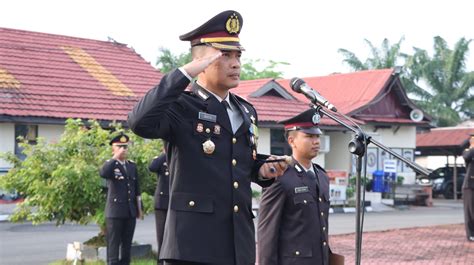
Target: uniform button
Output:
[(324, 243), (234, 140), (191, 203), (128, 192), (322, 214), (297, 253), (234, 162), (128, 199), (236, 184), (161, 193), (208, 130), (128, 184), (115, 199), (167, 173), (324, 228), (320, 199), (236, 208), (305, 202)]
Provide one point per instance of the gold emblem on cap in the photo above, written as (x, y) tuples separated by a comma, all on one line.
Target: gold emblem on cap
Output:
[(232, 25), (208, 147), (123, 139)]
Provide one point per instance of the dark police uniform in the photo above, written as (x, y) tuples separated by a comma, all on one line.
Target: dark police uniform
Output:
[(293, 212), (210, 217), (468, 193), (160, 167), (121, 206)]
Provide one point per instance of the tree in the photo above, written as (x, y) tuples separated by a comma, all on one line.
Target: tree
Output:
[(60, 181), (450, 91), (167, 61), (386, 57)]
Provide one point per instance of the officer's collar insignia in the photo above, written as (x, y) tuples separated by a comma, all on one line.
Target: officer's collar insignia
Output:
[(316, 118), (232, 25), (203, 95), (123, 139), (298, 168), (252, 118), (301, 189)]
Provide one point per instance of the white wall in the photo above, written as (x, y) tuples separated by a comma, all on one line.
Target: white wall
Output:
[(338, 157), (263, 141), (7, 141), (52, 133)]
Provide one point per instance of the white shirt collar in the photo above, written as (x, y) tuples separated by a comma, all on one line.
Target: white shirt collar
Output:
[(227, 97)]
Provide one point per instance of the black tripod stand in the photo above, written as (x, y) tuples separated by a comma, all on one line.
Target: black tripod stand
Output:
[(358, 147)]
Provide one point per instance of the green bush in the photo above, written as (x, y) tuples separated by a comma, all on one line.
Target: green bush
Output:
[(60, 181)]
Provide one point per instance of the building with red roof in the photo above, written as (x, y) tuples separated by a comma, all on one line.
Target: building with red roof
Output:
[(47, 78)]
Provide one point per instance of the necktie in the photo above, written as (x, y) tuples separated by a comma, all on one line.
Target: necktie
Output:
[(225, 104), (311, 175)]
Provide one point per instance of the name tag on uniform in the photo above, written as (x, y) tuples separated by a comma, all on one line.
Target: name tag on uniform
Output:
[(301, 189), (207, 117)]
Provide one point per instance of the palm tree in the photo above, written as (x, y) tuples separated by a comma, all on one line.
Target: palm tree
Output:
[(167, 61), (386, 57), (449, 91)]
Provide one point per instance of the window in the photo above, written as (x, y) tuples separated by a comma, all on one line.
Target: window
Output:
[(29, 133), (278, 143)]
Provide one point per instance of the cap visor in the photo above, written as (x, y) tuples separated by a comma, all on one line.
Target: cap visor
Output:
[(313, 130), (228, 46)]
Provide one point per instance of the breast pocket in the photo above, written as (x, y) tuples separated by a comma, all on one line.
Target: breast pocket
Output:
[(190, 202), (303, 199)]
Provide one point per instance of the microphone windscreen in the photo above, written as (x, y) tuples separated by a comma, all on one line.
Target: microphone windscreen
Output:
[(295, 84)]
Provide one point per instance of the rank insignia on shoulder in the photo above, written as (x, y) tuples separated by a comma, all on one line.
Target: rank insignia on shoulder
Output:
[(301, 189)]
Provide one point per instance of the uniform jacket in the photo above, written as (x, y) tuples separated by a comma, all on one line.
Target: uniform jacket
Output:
[(210, 215), (123, 189), (160, 167), (293, 219), (469, 178)]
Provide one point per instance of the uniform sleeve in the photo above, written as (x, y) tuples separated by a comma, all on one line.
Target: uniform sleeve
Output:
[(269, 220), (468, 156), (137, 185), (153, 116), (107, 170), (157, 163)]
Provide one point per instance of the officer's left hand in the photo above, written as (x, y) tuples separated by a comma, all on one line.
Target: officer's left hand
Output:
[(273, 170)]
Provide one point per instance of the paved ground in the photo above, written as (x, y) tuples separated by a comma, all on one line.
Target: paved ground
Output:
[(433, 245), (417, 235)]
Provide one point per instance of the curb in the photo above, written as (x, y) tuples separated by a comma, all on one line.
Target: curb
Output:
[(349, 209)]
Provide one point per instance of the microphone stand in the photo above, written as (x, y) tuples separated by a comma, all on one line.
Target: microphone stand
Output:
[(357, 146)]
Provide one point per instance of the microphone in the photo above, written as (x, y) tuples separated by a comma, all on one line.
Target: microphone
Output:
[(300, 86)]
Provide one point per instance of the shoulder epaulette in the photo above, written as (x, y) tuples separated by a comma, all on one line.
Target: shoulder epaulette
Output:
[(319, 167)]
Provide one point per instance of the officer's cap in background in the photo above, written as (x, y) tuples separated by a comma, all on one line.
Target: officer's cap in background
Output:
[(121, 139), (220, 32), (306, 122)]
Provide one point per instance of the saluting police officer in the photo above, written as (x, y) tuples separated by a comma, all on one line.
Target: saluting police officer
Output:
[(212, 154), (160, 167), (293, 213), (123, 204), (468, 190)]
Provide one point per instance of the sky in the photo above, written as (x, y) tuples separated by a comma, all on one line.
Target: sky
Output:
[(305, 34)]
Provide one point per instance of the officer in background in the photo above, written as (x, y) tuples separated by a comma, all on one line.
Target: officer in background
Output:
[(160, 167), (123, 201), (212, 154), (293, 213), (468, 190)]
